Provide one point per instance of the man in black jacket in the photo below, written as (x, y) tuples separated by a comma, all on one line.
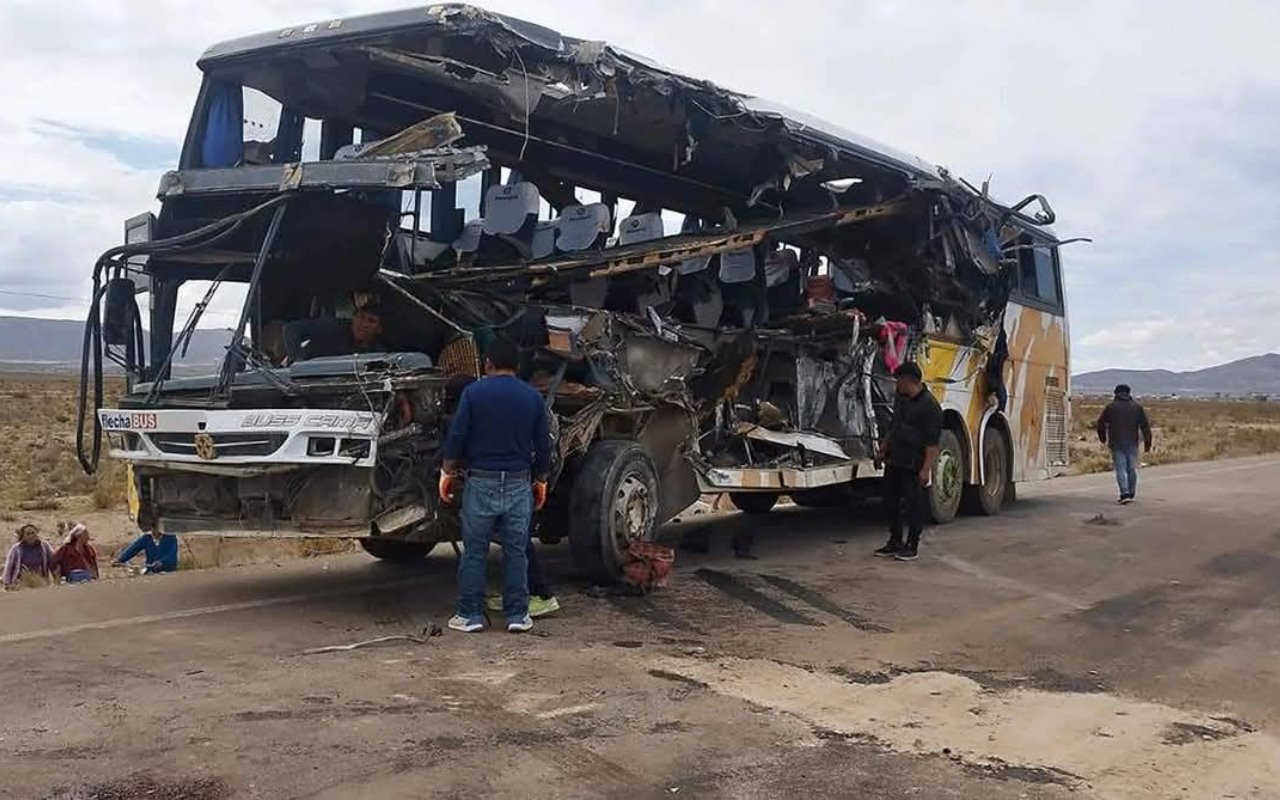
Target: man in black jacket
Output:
[(909, 453), (1119, 426)]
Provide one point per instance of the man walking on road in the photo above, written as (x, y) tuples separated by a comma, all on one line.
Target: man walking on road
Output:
[(909, 452), (500, 435), (1118, 426)]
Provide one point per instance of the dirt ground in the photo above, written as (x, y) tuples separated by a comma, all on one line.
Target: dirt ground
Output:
[(1069, 648)]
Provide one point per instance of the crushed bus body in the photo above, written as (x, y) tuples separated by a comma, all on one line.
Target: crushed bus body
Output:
[(710, 290)]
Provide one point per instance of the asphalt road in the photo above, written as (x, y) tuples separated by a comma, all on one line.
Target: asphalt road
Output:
[(1050, 652)]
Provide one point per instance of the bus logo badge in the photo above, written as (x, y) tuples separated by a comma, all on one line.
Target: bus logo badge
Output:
[(205, 447)]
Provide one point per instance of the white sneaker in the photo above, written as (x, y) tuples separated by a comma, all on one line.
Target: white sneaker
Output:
[(522, 625), (460, 623)]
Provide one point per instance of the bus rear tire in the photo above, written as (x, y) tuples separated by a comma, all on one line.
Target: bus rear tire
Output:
[(943, 494), (993, 494), (754, 502), (394, 551), (614, 503)]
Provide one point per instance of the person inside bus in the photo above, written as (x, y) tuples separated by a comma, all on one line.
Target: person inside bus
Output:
[(160, 549), (908, 453), (305, 339), (75, 561), (30, 560)]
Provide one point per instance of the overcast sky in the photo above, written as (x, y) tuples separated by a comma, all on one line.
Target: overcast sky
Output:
[(1151, 127)]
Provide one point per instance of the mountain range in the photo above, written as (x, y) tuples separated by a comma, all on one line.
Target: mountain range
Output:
[(54, 345), (1258, 375)]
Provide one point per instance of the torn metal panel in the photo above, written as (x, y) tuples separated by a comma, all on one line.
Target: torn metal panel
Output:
[(427, 172), (666, 436), (731, 479), (656, 366), (809, 441)]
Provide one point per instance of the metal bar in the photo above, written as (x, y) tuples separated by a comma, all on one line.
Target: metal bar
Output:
[(386, 277), (224, 375)]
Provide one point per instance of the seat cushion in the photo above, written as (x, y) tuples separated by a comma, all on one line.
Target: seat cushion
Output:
[(544, 238), (738, 266), (641, 228), (581, 227), (508, 209), (469, 239)]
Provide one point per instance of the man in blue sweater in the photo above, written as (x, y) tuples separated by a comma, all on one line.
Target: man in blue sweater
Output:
[(161, 552), (500, 436)]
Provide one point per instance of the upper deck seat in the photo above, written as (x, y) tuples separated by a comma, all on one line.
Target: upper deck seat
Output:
[(544, 238), (782, 281), (469, 240), (697, 295), (745, 303), (510, 217), (648, 289), (581, 228)]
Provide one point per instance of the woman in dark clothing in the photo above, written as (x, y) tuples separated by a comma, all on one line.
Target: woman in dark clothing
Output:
[(30, 560), (76, 560)]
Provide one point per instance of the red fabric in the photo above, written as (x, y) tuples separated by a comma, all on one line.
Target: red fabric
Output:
[(893, 335), (648, 565), (68, 557)]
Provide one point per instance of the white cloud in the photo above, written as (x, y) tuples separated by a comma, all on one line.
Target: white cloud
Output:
[(1150, 129)]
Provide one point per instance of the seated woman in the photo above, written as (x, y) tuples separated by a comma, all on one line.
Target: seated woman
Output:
[(30, 560), (76, 561)]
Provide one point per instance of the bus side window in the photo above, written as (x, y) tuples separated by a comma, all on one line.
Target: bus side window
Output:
[(1038, 274)]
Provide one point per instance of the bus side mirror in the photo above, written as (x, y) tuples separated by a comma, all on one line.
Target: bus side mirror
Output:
[(118, 315)]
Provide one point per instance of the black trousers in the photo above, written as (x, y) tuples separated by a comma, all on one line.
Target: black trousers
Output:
[(539, 586), (904, 497)]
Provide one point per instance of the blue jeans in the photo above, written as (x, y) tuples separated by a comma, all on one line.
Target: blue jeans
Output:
[(1126, 463), (504, 505)]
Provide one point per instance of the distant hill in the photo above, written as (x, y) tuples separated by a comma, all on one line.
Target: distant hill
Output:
[(53, 345), (1249, 376)]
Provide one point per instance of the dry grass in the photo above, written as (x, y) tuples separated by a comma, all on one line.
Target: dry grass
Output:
[(1185, 430), (38, 467)]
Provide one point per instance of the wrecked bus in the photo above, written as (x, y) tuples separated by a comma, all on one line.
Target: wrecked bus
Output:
[(709, 289)]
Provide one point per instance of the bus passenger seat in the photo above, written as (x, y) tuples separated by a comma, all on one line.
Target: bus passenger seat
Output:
[(744, 296), (544, 238), (511, 210), (738, 266), (469, 240), (641, 228), (652, 288), (583, 227), (510, 215)]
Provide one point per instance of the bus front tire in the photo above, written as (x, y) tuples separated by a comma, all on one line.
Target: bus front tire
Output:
[(943, 494), (614, 503)]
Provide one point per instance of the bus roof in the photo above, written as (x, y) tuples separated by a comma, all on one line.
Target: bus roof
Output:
[(459, 22)]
